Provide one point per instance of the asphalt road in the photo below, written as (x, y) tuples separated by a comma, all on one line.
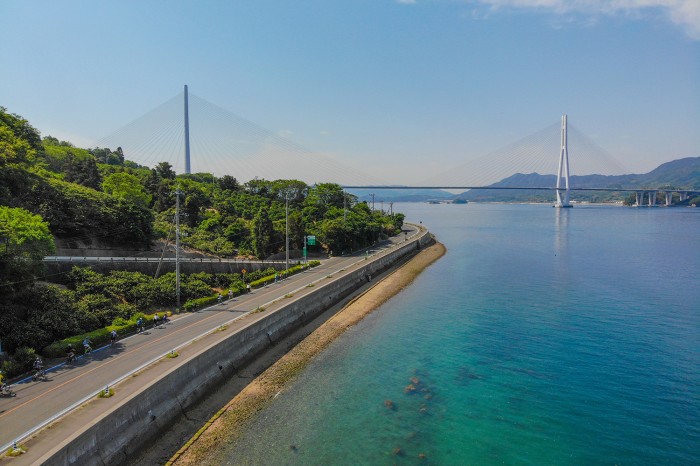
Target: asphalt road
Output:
[(66, 387)]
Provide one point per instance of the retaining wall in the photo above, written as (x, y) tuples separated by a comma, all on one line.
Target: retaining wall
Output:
[(121, 431)]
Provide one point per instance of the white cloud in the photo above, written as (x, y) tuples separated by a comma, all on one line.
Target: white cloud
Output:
[(685, 13), (406, 2)]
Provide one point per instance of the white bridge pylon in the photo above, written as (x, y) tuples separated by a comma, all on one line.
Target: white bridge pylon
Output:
[(563, 164)]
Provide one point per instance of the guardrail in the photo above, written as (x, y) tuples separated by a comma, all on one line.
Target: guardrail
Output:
[(157, 259)]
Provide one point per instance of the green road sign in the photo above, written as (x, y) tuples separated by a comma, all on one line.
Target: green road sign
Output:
[(311, 240)]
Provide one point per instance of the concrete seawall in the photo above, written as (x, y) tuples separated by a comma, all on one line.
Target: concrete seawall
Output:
[(119, 432)]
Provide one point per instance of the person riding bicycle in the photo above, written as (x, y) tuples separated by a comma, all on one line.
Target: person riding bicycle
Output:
[(70, 353), (39, 366), (86, 345), (139, 325), (2, 381), (113, 336)]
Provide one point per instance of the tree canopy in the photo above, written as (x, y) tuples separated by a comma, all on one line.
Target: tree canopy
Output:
[(24, 241)]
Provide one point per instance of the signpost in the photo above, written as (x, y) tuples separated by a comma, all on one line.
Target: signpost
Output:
[(308, 240)]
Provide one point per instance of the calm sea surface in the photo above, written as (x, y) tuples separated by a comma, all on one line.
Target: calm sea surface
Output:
[(544, 336)]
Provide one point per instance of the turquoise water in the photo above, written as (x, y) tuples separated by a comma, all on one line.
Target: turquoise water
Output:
[(544, 336)]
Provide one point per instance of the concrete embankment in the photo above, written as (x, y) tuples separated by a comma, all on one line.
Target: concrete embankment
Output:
[(209, 445), (122, 430)]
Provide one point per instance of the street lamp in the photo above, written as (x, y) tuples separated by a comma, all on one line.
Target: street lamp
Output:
[(286, 234), (286, 193)]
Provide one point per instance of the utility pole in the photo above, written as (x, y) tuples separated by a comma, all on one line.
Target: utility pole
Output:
[(177, 246), (286, 193), (372, 201), (286, 232)]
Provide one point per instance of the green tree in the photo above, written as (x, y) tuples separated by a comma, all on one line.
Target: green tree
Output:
[(82, 170), (262, 233), (228, 183), (24, 241), (21, 129), (126, 186), (165, 171)]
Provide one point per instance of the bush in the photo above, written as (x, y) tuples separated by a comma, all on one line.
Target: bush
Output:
[(98, 337), (290, 271), (21, 362), (119, 321), (193, 304)]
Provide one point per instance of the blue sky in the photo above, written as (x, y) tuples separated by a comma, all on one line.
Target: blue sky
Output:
[(404, 87)]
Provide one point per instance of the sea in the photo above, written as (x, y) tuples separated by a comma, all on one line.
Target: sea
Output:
[(544, 336)]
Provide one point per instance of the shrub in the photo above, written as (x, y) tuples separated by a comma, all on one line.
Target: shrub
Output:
[(20, 362), (119, 321), (98, 337), (290, 271), (193, 304)]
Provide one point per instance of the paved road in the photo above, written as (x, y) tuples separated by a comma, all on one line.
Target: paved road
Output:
[(39, 403)]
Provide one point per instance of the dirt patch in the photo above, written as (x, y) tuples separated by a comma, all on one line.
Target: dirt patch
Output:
[(231, 420)]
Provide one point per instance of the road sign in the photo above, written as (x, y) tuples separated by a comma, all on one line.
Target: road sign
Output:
[(311, 240)]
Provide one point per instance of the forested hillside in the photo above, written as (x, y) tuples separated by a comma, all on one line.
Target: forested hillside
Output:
[(51, 190)]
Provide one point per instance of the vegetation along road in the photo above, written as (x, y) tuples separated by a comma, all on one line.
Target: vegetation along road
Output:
[(39, 403)]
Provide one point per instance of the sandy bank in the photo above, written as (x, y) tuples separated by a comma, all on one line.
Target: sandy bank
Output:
[(231, 420)]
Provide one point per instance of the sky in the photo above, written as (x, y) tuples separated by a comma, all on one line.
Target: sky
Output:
[(402, 88)]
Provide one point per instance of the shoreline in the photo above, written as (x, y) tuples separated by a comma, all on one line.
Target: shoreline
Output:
[(231, 420)]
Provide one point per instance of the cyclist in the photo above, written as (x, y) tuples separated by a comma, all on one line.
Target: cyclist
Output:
[(39, 368), (86, 345), (4, 387), (139, 325), (113, 337), (70, 354), (219, 298)]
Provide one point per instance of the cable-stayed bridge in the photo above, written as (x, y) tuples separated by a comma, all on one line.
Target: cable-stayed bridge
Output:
[(195, 135)]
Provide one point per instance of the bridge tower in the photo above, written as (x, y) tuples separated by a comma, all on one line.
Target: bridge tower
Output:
[(187, 134), (563, 164)]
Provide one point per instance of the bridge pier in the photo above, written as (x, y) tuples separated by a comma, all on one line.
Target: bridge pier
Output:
[(652, 198), (669, 198), (640, 198), (683, 196)]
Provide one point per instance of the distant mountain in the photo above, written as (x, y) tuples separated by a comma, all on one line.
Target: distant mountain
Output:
[(682, 173)]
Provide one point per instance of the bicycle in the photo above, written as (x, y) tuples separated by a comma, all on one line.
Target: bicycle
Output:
[(40, 374), (6, 390)]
